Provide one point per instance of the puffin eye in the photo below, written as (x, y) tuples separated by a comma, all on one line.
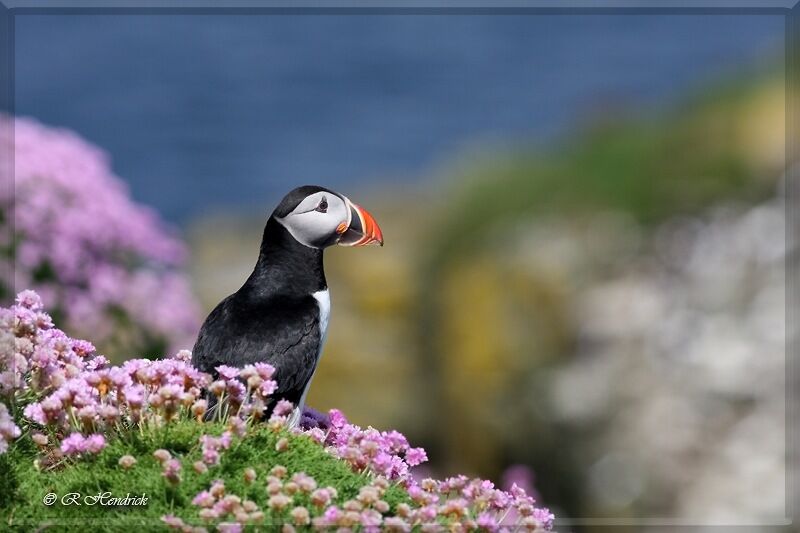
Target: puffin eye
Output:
[(323, 206)]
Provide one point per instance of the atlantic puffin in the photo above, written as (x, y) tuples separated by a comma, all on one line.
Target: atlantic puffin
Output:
[(280, 315)]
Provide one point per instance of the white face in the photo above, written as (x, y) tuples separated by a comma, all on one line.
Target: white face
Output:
[(318, 220)]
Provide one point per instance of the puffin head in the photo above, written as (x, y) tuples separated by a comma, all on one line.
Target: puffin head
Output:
[(318, 217)]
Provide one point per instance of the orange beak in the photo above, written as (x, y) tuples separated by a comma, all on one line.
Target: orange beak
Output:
[(362, 229)]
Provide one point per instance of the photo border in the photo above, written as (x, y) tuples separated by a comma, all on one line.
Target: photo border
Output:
[(790, 9)]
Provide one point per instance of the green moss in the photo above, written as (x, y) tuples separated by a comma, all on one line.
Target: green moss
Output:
[(23, 488)]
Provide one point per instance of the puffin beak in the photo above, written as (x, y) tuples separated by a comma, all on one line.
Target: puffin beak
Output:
[(362, 229)]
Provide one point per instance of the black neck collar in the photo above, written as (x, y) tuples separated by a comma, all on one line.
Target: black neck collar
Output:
[(285, 267)]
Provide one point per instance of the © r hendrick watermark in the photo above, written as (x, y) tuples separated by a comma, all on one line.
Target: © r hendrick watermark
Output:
[(105, 499)]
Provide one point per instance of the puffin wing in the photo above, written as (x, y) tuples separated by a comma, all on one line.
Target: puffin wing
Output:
[(284, 333), (295, 361)]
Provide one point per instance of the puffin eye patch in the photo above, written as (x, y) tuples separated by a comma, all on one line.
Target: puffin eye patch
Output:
[(322, 207)]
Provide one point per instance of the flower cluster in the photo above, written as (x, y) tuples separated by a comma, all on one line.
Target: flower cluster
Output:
[(456, 503), (383, 453), (242, 392), (73, 402), (96, 257), (76, 444), (387, 456), (9, 431), (140, 393), (216, 505), (36, 357), (213, 446), (67, 390)]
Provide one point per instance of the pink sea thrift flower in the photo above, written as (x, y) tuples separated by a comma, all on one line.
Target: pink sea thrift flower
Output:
[(173, 522), (204, 499), (127, 461), (415, 456), (162, 455), (73, 444), (95, 443), (544, 517), (8, 429), (82, 243), (172, 471)]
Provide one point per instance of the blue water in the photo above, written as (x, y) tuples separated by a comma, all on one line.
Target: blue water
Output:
[(202, 113)]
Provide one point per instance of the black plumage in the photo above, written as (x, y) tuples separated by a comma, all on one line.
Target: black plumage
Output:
[(274, 316)]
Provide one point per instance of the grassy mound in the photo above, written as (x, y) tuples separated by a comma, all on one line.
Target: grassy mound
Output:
[(24, 487)]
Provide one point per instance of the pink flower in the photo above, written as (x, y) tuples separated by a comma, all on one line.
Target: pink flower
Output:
[(544, 517), (304, 482), (267, 387), (238, 426), (279, 501), (283, 408), (317, 435), (487, 522), (8, 429), (227, 372), (74, 220), (321, 497), (162, 455), (127, 462), (217, 489), (95, 443), (183, 356), (416, 456), (338, 419), (427, 514), (172, 471), (331, 515), (203, 499), (210, 456), (371, 518), (173, 522), (397, 441), (35, 412), (395, 523), (300, 516), (73, 444), (265, 370), (29, 300)]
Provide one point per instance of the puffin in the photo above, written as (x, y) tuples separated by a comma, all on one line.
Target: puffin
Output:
[(280, 314)]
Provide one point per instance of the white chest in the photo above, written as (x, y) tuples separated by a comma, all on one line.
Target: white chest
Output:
[(323, 299)]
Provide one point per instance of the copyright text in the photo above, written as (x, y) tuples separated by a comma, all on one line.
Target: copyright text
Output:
[(104, 499)]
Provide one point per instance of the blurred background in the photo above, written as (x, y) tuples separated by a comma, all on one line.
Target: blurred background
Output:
[(583, 275)]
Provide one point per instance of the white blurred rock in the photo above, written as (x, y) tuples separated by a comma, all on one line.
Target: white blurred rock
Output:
[(684, 350)]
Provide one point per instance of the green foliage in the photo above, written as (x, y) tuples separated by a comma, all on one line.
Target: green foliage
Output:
[(23, 487), (652, 167)]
